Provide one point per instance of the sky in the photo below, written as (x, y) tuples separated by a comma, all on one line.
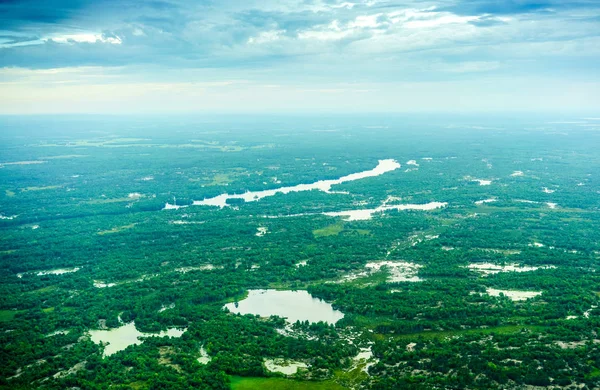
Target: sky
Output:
[(310, 56)]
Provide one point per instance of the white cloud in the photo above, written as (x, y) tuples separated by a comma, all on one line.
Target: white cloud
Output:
[(299, 54), (435, 19), (266, 37), (84, 38), (392, 23), (365, 21)]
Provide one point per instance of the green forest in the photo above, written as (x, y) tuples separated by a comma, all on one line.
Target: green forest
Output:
[(111, 276)]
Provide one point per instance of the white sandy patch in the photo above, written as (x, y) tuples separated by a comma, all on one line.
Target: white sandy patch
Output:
[(322, 185), (514, 295), (163, 307), (552, 205), (570, 344), (57, 332), (547, 190), (365, 356), (412, 162), (300, 264), (204, 357), (286, 367), (586, 314), (526, 201), (169, 206), (182, 222), (571, 317), (506, 252), (203, 267), (366, 214), (491, 269), (482, 182), (134, 195), (400, 271), (387, 200), (517, 173), (73, 370), (490, 200), (447, 248), (147, 178), (537, 245), (261, 231), (2, 165), (58, 271), (99, 284)]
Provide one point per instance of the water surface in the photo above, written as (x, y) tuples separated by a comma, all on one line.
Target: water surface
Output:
[(366, 214), (321, 185), (120, 338), (292, 305)]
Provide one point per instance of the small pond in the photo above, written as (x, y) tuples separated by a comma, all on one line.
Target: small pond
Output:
[(293, 305)]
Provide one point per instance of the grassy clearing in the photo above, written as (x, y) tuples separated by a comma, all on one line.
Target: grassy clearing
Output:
[(34, 188), (108, 200), (331, 230), (369, 280), (42, 290), (117, 229), (220, 179), (594, 374), (487, 209), (503, 329), (8, 315), (139, 385), (252, 383), (353, 378), (507, 252)]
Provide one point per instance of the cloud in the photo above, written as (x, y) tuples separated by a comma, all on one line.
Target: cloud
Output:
[(515, 7), (85, 38), (322, 43), (210, 33)]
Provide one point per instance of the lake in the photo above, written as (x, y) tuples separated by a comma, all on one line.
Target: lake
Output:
[(122, 337), (293, 305)]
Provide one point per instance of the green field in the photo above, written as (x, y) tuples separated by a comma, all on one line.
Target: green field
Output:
[(242, 383)]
